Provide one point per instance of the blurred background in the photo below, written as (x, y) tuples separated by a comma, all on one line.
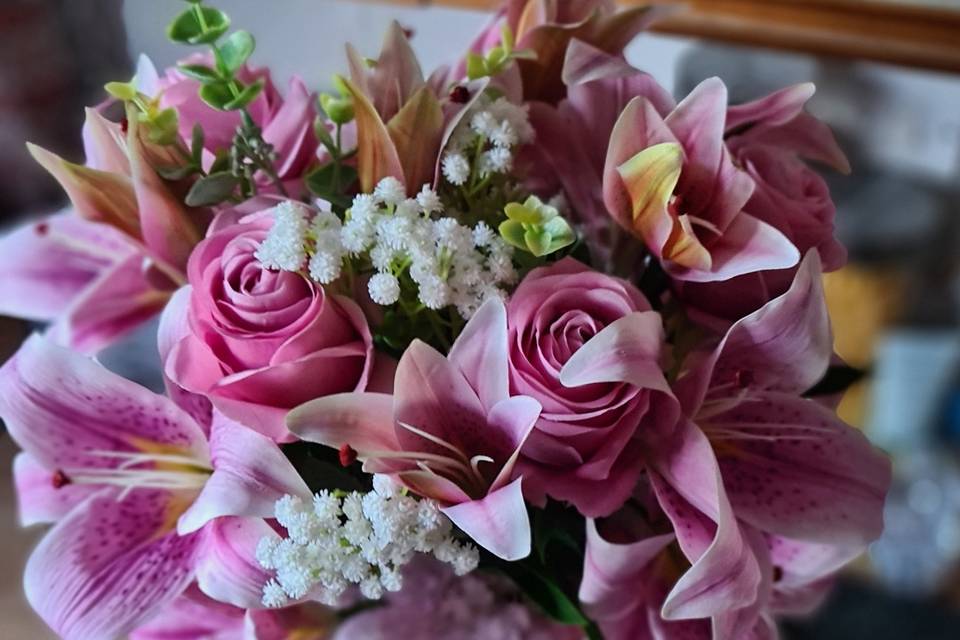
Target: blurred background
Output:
[(888, 79)]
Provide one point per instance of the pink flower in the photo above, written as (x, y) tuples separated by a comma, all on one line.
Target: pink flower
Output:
[(451, 431), (572, 138), (257, 342), (144, 500), (100, 269), (286, 122), (194, 615), (587, 347), (672, 183), (770, 138), (790, 465)]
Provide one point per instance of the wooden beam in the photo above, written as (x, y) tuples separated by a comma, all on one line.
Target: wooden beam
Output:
[(876, 30)]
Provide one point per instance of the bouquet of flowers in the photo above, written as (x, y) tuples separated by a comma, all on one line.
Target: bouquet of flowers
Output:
[(522, 349)]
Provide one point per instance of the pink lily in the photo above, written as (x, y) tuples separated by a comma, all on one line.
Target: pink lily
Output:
[(672, 183), (572, 138), (450, 431), (194, 615), (145, 498), (789, 465), (546, 28), (111, 262), (771, 138)]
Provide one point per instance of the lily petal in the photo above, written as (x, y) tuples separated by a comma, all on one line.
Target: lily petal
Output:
[(44, 265), (417, 133), (39, 499), (109, 565), (377, 154), (481, 353), (627, 350), (774, 110), (250, 474), (498, 522), (227, 568), (62, 408)]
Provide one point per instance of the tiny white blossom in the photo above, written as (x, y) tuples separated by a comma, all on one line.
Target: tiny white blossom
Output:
[(363, 206), (429, 201), (456, 168), (283, 248), (482, 235), (497, 160), (483, 123), (384, 288), (390, 191)]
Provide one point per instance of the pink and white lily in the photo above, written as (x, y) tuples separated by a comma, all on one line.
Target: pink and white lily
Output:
[(790, 466), (450, 431), (111, 262), (671, 181), (145, 498)]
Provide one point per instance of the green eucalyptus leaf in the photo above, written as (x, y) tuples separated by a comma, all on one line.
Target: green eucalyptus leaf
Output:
[(212, 189), (326, 183), (188, 28), (235, 51), (221, 162), (200, 72), (247, 95), (217, 94), (176, 173), (196, 144)]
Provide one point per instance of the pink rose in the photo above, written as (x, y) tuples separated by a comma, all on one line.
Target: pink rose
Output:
[(287, 123), (257, 342), (587, 347)]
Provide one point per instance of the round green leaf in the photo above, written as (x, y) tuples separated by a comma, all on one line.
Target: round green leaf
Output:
[(198, 25), (217, 95), (199, 72), (212, 189), (247, 95), (235, 50)]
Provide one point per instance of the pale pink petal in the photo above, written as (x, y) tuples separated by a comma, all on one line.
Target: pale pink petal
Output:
[(747, 245), (627, 350), (226, 565), (290, 129), (432, 395), (173, 329), (39, 499), (63, 408), (45, 265), (776, 109), (192, 616), (481, 353), (793, 468), (364, 421), (697, 122), (104, 144), (122, 298), (430, 485), (510, 423), (250, 474), (109, 565), (807, 137), (725, 574), (497, 522)]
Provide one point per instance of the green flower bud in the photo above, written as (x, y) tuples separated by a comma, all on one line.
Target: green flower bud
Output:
[(339, 110), (536, 227)]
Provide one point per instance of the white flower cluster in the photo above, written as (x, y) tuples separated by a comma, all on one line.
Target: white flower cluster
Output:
[(355, 538), (492, 128), (451, 264)]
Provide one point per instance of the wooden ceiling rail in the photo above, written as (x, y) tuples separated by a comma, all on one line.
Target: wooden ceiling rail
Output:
[(878, 30)]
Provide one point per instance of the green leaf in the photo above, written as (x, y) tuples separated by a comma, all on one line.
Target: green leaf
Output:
[(323, 135), (163, 127), (476, 66), (235, 51), (121, 90), (188, 28), (200, 72), (537, 240), (196, 144), (324, 182), (247, 95), (546, 594), (221, 162), (217, 95), (176, 173), (212, 189), (512, 231)]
